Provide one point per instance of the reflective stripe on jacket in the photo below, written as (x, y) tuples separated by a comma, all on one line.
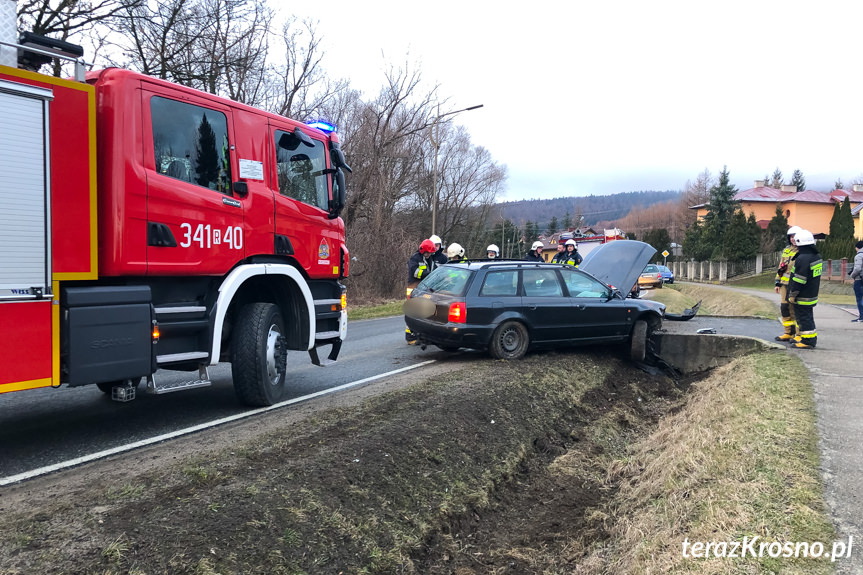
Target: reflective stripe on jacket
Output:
[(782, 273)]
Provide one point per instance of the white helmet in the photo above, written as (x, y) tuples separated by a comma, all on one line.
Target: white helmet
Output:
[(804, 238), (793, 230), (436, 240), (454, 251), (536, 245), (493, 248), (571, 243)]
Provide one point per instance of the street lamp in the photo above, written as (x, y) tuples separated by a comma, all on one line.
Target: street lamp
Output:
[(434, 136)]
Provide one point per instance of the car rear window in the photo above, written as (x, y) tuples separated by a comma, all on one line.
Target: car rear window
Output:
[(446, 280), (651, 269), (501, 283)]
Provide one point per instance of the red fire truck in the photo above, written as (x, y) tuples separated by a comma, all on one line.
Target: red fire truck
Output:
[(148, 226)]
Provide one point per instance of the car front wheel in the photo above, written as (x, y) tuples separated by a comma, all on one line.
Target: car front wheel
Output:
[(509, 341), (638, 341)]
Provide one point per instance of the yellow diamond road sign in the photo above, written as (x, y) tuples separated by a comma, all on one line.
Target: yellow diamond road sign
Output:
[(665, 253)]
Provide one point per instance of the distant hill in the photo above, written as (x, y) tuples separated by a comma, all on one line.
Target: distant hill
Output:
[(593, 208)]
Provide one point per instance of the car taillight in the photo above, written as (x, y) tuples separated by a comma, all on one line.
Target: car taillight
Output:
[(457, 312)]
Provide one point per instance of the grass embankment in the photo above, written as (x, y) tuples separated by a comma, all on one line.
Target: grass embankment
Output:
[(714, 301), (554, 464), (375, 310), (740, 459)]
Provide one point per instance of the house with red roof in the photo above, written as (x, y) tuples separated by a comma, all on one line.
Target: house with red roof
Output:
[(809, 209)]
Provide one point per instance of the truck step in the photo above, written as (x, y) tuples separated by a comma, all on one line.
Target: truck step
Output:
[(326, 335), (157, 388), (176, 357)]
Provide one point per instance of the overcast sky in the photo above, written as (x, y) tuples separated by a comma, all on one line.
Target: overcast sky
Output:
[(592, 97)]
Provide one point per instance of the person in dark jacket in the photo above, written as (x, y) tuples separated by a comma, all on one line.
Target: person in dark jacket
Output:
[(569, 256), (857, 273), (439, 255), (535, 253), (420, 265), (455, 254), (803, 285)]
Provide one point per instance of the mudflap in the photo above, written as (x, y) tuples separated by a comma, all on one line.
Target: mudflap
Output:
[(331, 358)]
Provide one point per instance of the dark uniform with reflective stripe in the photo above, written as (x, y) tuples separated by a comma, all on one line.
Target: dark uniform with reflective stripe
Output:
[(418, 268), (786, 310), (803, 285), (572, 258)]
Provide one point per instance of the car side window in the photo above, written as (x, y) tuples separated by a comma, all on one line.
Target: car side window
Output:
[(582, 285), (500, 283), (541, 283)]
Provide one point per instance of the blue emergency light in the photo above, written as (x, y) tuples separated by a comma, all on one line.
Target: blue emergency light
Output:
[(322, 126)]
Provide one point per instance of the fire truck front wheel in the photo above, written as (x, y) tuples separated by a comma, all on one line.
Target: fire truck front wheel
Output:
[(259, 355)]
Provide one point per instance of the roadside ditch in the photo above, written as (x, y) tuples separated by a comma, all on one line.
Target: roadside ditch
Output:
[(545, 465)]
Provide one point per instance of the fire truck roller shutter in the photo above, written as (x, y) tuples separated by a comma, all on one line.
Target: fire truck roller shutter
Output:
[(25, 259)]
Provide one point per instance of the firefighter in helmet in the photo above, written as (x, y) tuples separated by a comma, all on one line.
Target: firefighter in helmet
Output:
[(569, 255), (493, 252), (439, 255), (804, 281), (420, 265), (786, 310), (455, 254), (535, 253)]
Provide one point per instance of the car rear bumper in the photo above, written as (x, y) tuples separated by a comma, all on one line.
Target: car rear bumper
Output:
[(451, 334)]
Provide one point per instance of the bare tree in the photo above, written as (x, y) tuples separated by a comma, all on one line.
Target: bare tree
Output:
[(212, 45), (77, 21)]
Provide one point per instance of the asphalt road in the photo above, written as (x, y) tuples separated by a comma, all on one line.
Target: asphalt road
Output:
[(45, 426)]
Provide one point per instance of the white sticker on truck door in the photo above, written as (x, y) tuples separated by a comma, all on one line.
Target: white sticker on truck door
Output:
[(251, 170)]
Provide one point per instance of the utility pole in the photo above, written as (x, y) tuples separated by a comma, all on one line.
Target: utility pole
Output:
[(434, 136)]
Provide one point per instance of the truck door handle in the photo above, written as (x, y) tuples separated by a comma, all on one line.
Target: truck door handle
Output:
[(580, 307), (531, 307)]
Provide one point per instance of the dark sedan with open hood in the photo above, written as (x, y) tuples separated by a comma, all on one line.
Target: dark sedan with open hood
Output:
[(508, 307)]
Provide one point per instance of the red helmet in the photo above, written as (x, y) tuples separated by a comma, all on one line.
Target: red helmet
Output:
[(427, 247)]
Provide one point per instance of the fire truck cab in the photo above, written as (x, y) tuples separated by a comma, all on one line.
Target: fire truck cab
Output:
[(146, 225)]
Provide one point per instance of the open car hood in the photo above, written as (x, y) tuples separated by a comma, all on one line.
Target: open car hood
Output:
[(618, 263)]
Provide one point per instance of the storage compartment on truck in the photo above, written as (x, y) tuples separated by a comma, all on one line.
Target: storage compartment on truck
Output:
[(111, 328)]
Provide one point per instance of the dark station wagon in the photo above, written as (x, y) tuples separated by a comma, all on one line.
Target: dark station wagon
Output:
[(508, 307)]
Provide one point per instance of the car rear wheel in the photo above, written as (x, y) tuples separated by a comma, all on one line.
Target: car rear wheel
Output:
[(638, 341), (509, 341)]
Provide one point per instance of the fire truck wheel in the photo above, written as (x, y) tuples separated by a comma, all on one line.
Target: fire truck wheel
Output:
[(258, 355), (107, 386)]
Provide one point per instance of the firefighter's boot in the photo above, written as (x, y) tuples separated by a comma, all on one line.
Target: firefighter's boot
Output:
[(410, 337), (790, 330), (807, 341)]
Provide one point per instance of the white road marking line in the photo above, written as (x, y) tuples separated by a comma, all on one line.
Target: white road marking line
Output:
[(159, 438)]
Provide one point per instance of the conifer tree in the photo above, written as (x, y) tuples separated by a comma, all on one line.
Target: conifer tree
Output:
[(798, 180), (722, 207), (776, 181), (834, 221), (777, 230), (846, 220)]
